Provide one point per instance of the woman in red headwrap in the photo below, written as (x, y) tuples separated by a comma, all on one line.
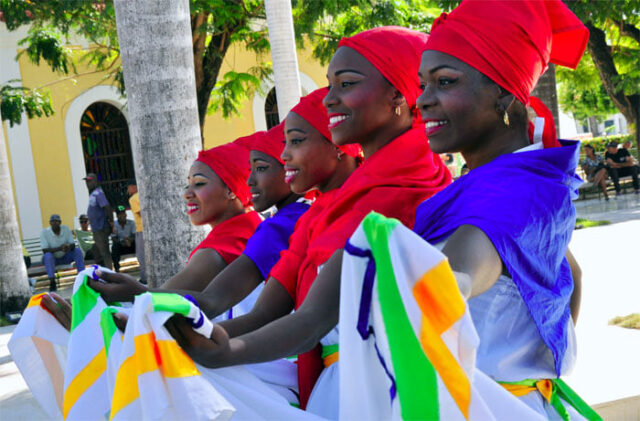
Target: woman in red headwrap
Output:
[(216, 195), (371, 101), (505, 227)]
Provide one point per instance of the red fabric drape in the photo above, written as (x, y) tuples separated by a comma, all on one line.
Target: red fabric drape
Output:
[(229, 238), (393, 181)]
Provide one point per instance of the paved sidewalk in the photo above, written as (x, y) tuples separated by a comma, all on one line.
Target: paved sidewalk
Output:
[(608, 366)]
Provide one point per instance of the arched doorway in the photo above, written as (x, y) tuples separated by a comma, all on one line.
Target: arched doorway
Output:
[(271, 109), (107, 150)]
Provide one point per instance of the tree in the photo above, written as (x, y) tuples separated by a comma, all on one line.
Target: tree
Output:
[(164, 125), (614, 48), (283, 54), (215, 25), (14, 284), (582, 94)]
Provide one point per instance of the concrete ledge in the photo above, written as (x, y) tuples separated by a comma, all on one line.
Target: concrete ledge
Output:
[(627, 409)]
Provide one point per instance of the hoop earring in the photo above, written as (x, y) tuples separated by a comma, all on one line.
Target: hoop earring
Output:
[(397, 110), (505, 118)]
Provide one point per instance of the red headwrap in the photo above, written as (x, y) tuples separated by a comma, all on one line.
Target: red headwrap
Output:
[(395, 52), (230, 162), (511, 42), (311, 109), (271, 142)]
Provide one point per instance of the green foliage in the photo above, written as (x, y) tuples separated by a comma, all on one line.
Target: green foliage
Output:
[(581, 92), (324, 23), (16, 100), (620, 21), (46, 44), (600, 143), (234, 88)]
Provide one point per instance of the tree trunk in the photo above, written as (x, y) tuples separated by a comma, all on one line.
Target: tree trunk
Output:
[(600, 52), (157, 60), (283, 54), (546, 91), (208, 57), (14, 283)]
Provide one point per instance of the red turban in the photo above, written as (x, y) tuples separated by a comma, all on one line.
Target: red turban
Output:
[(271, 142), (311, 109), (395, 52), (511, 42), (230, 162)]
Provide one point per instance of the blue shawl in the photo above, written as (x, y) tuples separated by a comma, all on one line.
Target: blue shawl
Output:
[(522, 202)]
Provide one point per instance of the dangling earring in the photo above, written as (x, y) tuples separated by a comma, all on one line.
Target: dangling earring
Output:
[(505, 118), (397, 110)]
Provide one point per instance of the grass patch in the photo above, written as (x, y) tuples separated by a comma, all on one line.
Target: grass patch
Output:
[(4, 322), (632, 321), (587, 223)]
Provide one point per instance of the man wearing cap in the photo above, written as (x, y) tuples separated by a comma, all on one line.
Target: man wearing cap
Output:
[(100, 218), (123, 237), (134, 203), (620, 165), (58, 248)]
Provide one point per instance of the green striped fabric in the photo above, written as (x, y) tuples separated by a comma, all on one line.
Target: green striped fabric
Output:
[(416, 380)]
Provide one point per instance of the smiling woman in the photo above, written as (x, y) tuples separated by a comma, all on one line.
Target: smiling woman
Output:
[(505, 227)]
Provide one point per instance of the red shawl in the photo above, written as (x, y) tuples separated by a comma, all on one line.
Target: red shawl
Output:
[(393, 182), (230, 237)]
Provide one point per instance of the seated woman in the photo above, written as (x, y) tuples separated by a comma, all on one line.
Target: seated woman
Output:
[(370, 101), (506, 225), (595, 169)]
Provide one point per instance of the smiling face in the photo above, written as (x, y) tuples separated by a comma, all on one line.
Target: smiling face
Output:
[(360, 102), (458, 105), (310, 160), (266, 181), (207, 197)]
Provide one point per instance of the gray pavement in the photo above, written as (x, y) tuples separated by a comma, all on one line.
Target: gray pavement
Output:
[(625, 207), (608, 366)]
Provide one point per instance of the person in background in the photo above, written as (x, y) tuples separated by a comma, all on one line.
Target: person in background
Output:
[(100, 218), (134, 203), (595, 169), (85, 239), (620, 165), (58, 248), (123, 237)]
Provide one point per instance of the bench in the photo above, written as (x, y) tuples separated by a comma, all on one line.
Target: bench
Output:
[(37, 270)]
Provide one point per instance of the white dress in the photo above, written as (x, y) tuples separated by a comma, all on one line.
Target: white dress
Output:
[(511, 349)]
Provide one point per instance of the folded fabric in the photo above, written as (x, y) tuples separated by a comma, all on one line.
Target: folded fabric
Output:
[(156, 379), (407, 341), (38, 347)]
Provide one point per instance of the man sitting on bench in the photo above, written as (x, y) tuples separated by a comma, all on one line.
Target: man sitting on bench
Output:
[(123, 238), (58, 248), (621, 164)]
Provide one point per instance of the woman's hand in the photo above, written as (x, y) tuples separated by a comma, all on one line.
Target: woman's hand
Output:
[(209, 352), (117, 286), (59, 308)]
